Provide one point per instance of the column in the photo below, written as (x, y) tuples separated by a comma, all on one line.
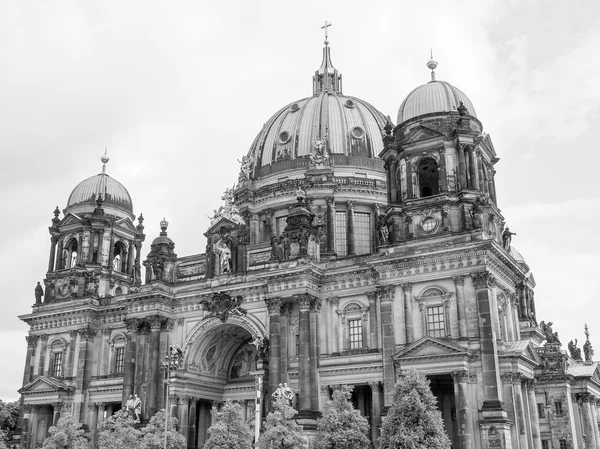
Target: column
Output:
[(133, 326), (173, 408), (315, 310), (529, 385), (155, 322), (594, 408), (59, 257), (43, 350), (334, 324), (83, 374), (459, 282), (286, 309), (351, 246), (71, 353), (79, 247), (183, 415), (27, 427), (56, 406), (473, 169), (93, 423), (100, 420), (360, 396), (588, 421), (90, 255), (52, 258), (304, 350), (375, 411), (32, 341), (409, 180), (130, 258), (483, 283), (33, 428), (393, 169), (372, 296), (268, 227), (443, 179), (408, 312), (191, 437), (330, 225), (463, 410), (461, 167), (99, 260), (520, 412), (387, 166), (389, 345), (201, 436), (274, 307)]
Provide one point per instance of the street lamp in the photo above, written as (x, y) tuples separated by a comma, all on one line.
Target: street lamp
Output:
[(172, 363)]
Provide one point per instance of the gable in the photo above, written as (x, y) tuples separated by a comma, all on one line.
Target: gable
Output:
[(430, 347), (221, 223), (44, 385), (126, 224), (421, 133), (70, 219)]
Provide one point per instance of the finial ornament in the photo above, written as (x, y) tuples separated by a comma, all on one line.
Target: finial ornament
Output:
[(324, 27), (432, 64), (164, 224)]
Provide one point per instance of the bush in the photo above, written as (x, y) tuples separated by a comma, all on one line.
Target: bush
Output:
[(119, 432), (228, 430), (342, 426), (281, 431), (154, 433), (413, 421), (67, 434)]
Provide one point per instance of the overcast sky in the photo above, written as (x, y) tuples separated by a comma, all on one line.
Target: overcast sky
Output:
[(177, 91)]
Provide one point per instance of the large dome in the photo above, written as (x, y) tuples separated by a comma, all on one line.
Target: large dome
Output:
[(350, 127), (116, 198), (435, 96)]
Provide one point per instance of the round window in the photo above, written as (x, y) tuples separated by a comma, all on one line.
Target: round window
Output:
[(357, 132), (428, 224), (294, 107), (349, 104), (284, 137)]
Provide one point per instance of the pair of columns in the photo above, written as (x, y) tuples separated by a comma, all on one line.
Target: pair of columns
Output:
[(193, 416)]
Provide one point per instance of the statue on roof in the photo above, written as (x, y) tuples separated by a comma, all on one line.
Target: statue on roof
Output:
[(588, 351), (551, 336), (38, 292), (574, 351), (507, 238), (245, 168)]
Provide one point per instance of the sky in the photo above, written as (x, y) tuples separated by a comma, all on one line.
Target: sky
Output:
[(177, 91)]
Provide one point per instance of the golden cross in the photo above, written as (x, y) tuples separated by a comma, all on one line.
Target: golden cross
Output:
[(327, 25)]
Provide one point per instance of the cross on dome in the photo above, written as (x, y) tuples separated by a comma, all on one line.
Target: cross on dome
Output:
[(324, 27)]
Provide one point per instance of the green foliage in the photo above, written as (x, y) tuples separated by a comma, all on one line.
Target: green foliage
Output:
[(154, 433), (67, 434), (228, 430), (413, 420), (119, 432), (281, 431), (9, 418), (342, 426)]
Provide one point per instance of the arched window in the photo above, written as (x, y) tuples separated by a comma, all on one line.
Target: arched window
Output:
[(117, 346), (119, 262), (57, 351), (434, 304), (354, 320), (428, 174), (70, 254)]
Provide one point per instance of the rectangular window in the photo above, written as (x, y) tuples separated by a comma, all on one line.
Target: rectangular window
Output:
[(57, 364), (355, 333), (119, 360), (436, 325), (541, 410), (340, 233), (362, 233), (558, 408), (281, 224), (563, 444), (545, 444)]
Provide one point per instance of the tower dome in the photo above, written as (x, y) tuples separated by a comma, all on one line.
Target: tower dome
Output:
[(114, 196), (348, 128), (433, 97)]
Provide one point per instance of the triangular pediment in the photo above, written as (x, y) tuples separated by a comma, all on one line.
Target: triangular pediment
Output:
[(44, 384), (486, 143), (421, 133), (70, 219), (524, 349), (222, 222), (126, 224), (430, 347)]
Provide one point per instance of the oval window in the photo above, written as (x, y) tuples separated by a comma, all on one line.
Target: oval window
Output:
[(284, 137), (428, 224), (349, 103), (357, 132), (294, 107)]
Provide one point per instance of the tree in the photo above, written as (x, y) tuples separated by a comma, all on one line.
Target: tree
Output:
[(119, 432), (281, 431), (9, 418), (228, 430), (154, 433), (413, 421), (67, 434), (342, 426)]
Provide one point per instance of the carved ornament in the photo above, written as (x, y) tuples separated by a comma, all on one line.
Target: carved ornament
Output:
[(273, 305), (222, 305), (304, 300), (483, 280), (458, 280), (87, 333), (387, 293)]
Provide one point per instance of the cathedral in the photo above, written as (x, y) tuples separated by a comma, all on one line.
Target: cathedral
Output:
[(349, 251)]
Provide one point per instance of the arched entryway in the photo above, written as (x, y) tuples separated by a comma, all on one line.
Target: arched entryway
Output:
[(220, 361)]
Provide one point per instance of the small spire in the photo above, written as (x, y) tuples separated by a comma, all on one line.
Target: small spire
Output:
[(324, 27), (104, 160), (327, 79), (164, 224), (432, 64)]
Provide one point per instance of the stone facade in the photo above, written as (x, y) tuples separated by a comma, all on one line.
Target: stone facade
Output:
[(343, 266)]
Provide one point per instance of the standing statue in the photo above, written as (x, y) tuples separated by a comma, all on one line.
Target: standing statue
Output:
[(130, 406), (137, 407), (38, 292), (279, 392), (588, 351), (288, 393), (507, 238), (245, 168), (158, 267), (476, 216), (382, 230), (574, 351)]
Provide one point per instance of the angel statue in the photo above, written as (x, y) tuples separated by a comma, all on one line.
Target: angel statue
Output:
[(551, 336), (574, 350)]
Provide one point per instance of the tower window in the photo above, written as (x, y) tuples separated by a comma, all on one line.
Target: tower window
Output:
[(362, 233), (428, 174), (281, 223), (340, 233), (545, 444), (355, 333), (57, 364), (119, 360), (558, 408), (436, 323), (541, 410)]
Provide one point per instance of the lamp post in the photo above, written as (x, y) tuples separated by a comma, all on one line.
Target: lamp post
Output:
[(172, 363)]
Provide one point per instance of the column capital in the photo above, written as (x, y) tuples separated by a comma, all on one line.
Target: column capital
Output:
[(587, 397), (315, 304), (180, 321), (483, 280), (185, 400), (87, 333), (132, 324), (173, 399), (27, 408), (334, 300), (528, 383), (167, 325), (32, 340), (324, 389), (93, 407), (44, 337), (155, 322), (101, 406), (107, 331), (273, 305), (330, 200), (57, 405), (375, 385), (406, 287), (460, 376), (514, 378), (350, 204), (372, 296), (304, 300), (459, 279), (387, 293), (286, 308)]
